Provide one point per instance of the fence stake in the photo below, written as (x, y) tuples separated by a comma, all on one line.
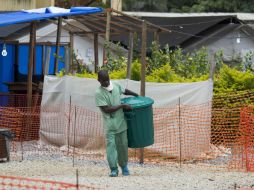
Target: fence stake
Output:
[(74, 136), (22, 153), (77, 181), (180, 132), (68, 129)]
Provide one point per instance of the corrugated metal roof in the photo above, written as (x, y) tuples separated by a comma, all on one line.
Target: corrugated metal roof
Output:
[(241, 16), (183, 28)]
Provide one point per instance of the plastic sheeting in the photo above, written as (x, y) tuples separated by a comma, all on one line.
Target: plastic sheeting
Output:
[(44, 13), (81, 90)]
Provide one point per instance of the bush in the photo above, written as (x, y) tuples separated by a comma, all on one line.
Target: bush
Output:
[(230, 79)]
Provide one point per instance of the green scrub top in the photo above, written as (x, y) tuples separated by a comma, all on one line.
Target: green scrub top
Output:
[(114, 122)]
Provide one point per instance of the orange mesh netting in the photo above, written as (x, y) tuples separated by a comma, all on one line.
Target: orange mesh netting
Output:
[(9, 182), (247, 137), (181, 132), (20, 119)]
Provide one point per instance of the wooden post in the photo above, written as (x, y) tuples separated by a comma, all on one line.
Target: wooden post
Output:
[(107, 36), (143, 73), (47, 61), (43, 59), (156, 36), (30, 65), (143, 58), (16, 63), (212, 65), (71, 52), (58, 38), (34, 57), (96, 60), (74, 136), (130, 55), (180, 131), (108, 25)]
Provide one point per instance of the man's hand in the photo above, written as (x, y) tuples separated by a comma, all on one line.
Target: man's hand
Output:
[(126, 106)]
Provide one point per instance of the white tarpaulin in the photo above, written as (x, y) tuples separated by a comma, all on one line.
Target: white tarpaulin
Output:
[(57, 129), (81, 90)]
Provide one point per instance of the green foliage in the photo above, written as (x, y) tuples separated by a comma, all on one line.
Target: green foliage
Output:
[(236, 99), (85, 75), (80, 3), (230, 79), (163, 74), (189, 5), (158, 58), (186, 65), (222, 6), (176, 66), (114, 63), (145, 5), (190, 64), (247, 63), (135, 70), (120, 74)]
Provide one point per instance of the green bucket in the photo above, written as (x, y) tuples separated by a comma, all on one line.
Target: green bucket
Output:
[(140, 121)]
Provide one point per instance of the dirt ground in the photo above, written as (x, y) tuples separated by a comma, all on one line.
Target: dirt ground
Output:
[(146, 176)]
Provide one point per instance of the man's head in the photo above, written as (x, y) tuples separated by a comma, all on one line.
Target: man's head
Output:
[(103, 78)]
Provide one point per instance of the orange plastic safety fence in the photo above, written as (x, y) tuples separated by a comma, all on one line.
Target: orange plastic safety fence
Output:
[(18, 100), (247, 137), (23, 121), (16, 183), (181, 132)]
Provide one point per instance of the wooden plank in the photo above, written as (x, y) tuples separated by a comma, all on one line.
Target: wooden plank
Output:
[(132, 23), (115, 23), (43, 43), (90, 25), (58, 38)]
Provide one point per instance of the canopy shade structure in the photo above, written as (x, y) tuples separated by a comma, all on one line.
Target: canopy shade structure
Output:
[(34, 15), (44, 13)]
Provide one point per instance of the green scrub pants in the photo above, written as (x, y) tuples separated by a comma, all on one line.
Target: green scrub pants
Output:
[(117, 149)]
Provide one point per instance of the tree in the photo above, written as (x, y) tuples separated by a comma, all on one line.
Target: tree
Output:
[(145, 5), (75, 3), (189, 5), (223, 6)]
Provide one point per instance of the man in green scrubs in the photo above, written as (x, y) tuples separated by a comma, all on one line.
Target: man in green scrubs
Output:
[(108, 99)]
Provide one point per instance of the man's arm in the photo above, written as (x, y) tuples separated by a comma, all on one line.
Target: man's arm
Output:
[(129, 92), (112, 109)]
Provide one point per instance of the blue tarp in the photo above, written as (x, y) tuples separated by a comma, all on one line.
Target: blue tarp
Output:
[(44, 13), (7, 67)]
